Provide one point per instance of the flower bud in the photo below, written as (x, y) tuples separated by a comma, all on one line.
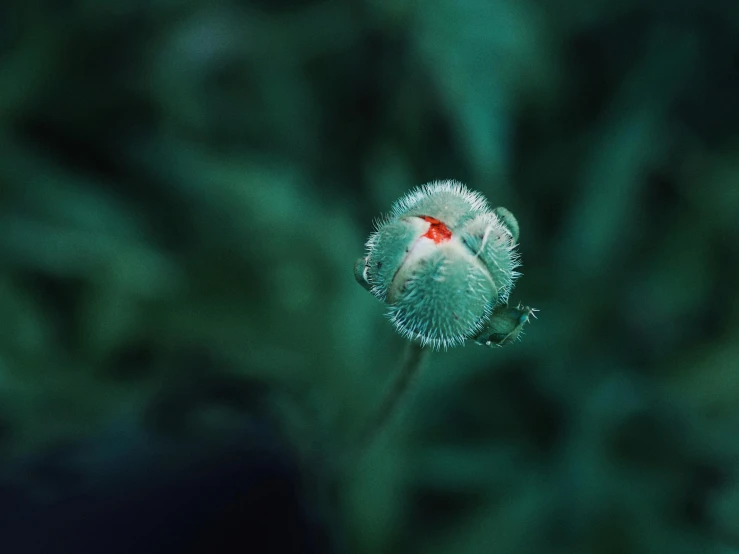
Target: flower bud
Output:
[(441, 260)]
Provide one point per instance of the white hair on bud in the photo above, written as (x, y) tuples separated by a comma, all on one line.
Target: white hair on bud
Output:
[(475, 200), (444, 293)]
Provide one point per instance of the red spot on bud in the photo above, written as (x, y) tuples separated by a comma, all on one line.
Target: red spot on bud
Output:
[(438, 232)]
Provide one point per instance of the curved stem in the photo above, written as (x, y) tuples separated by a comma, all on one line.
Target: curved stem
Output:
[(414, 356)]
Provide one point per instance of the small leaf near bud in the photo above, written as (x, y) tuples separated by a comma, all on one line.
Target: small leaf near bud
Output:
[(505, 325)]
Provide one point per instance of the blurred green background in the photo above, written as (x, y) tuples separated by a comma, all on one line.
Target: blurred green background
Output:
[(186, 184)]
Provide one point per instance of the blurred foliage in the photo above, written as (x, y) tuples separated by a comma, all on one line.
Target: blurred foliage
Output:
[(184, 187)]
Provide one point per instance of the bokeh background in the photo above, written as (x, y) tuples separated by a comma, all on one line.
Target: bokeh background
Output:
[(186, 360)]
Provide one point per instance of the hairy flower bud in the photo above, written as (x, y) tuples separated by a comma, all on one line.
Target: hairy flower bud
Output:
[(442, 260)]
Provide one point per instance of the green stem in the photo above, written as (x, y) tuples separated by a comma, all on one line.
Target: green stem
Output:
[(414, 356)]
